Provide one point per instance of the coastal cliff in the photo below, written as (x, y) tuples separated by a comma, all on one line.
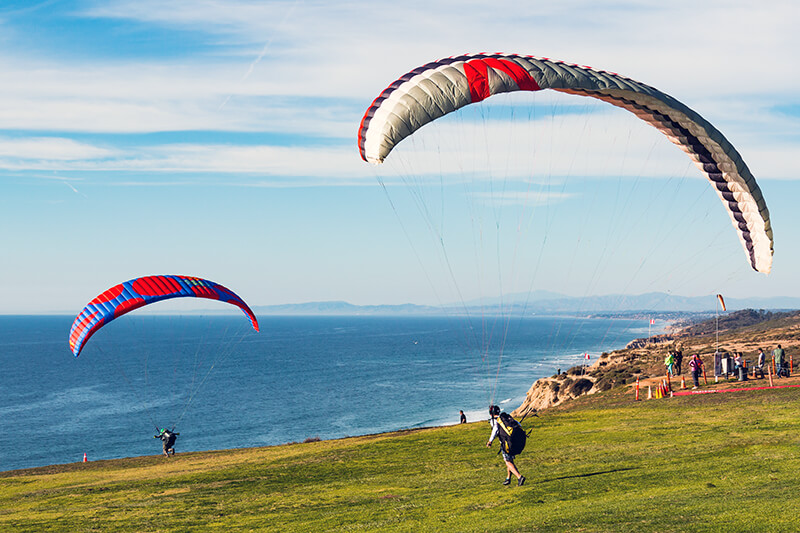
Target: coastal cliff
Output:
[(743, 331), (611, 370)]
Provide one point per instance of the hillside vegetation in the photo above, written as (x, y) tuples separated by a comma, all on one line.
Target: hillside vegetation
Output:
[(755, 319), (742, 331)]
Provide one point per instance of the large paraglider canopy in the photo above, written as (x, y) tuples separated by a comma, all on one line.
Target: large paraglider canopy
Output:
[(133, 294), (441, 87), (512, 191)]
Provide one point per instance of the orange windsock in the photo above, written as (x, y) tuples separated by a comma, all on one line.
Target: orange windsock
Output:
[(721, 302)]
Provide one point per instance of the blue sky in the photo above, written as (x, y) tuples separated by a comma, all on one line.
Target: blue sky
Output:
[(218, 139)]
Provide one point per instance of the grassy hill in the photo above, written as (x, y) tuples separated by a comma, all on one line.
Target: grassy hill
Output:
[(715, 462)]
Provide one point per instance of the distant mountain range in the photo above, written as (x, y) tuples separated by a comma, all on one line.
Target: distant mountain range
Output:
[(542, 302)]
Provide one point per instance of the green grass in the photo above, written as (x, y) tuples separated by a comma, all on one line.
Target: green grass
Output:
[(719, 462)]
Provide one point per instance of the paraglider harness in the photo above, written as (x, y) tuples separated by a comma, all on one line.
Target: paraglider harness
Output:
[(512, 437)]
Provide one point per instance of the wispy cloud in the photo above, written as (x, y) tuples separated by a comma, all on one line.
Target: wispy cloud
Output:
[(311, 68), (604, 143), (524, 198), (51, 149), (332, 54), (650, 39), (63, 155)]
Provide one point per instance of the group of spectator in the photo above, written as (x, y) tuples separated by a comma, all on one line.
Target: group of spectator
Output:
[(674, 363), (674, 360), (779, 363)]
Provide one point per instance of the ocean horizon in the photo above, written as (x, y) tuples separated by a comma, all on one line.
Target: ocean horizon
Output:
[(222, 385)]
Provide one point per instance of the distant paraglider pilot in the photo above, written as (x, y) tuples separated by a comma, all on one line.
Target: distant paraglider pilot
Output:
[(168, 439)]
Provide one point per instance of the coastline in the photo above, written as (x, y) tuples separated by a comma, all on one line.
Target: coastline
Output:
[(604, 373), (339, 376), (614, 371)]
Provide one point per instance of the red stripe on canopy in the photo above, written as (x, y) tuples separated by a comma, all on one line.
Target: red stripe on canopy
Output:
[(477, 79), (524, 80)]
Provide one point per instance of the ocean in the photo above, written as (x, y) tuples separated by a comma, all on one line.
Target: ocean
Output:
[(222, 385)]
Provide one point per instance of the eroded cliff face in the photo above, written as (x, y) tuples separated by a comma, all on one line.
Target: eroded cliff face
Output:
[(548, 392), (619, 367)]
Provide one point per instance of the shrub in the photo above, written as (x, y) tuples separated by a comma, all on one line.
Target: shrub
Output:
[(581, 386), (575, 370), (604, 384)]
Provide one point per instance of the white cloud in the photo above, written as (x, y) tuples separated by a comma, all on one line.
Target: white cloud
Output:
[(258, 160), (50, 149), (324, 57), (714, 47), (252, 163), (602, 142), (220, 17)]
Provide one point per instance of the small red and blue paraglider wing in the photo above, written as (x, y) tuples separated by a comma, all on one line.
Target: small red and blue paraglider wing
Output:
[(139, 292)]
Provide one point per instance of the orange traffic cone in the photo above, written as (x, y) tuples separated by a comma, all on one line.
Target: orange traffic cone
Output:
[(85, 460), (683, 382)]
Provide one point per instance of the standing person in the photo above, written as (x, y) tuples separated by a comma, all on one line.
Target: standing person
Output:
[(678, 361), (463, 417), (669, 361), (696, 368), (168, 439), (738, 363), (778, 356), (762, 360), (494, 413)]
